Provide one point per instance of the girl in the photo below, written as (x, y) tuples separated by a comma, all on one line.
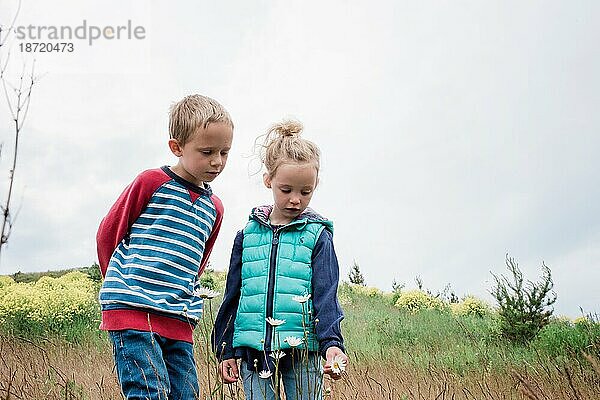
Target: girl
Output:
[(280, 310)]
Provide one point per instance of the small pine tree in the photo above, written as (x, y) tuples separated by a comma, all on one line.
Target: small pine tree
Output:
[(419, 282), (524, 307), (397, 286), (396, 290), (356, 276)]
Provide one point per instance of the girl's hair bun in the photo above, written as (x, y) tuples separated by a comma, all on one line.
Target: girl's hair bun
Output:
[(288, 128), (282, 143)]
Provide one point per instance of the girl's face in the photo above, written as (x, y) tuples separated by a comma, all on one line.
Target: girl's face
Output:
[(293, 185)]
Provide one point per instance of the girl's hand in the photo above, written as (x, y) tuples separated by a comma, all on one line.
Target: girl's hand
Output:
[(330, 354), (229, 370)]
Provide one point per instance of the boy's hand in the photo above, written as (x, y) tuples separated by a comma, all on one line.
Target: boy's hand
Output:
[(340, 358), (229, 370)]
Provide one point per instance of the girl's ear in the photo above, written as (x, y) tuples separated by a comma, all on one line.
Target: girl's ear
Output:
[(267, 180), (175, 147)]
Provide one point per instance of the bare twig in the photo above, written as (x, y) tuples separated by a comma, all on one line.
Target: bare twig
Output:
[(18, 99), (10, 27)]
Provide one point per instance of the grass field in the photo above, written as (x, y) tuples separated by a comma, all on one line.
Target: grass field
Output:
[(50, 348)]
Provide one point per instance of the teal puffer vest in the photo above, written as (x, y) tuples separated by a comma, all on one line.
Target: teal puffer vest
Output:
[(292, 274)]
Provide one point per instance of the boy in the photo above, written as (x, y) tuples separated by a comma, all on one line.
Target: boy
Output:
[(152, 246)]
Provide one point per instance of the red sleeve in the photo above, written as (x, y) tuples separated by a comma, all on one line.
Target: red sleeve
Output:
[(124, 212), (213, 235)]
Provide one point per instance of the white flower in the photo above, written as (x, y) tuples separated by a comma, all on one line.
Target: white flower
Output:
[(338, 364), (264, 374), (275, 322), (301, 299), (206, 293), (277, 354), (293, 341)]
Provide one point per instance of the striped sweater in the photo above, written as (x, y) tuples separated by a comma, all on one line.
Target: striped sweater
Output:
[(152, 246)]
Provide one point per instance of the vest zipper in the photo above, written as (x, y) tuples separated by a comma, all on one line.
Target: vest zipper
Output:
[(271, 288)]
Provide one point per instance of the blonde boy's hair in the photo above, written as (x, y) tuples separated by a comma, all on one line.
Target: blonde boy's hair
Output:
[(193, 112), (282, 143)]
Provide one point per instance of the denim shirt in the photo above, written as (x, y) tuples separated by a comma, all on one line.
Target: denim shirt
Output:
[(325, 278)]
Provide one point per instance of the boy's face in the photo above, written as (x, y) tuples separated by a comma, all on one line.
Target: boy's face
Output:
[(204, 155), (293, 186)]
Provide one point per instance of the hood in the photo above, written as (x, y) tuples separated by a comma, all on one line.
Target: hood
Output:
[(261, 214)]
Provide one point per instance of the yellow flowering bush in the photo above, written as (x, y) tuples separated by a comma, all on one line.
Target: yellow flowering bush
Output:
[(584, 321), (564, 319), (365, 290), (344, 298), (49, 304), (471, 305), (417, 300), (4, 282), (350, 293)]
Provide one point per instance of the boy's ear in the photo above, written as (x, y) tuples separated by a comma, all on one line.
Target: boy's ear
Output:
[(267, 180), (175, 147)]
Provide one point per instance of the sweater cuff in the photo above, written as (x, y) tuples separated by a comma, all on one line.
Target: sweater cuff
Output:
[(224, 353), (227, 355), (323, 346)]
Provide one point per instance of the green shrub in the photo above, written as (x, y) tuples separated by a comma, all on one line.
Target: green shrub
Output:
[(524, 307), (563, 338), (213, 280), (93, 272), (208, 280)]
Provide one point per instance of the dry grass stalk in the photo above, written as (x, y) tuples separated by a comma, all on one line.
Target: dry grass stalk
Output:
[(525, 387), (62, 371), (593, 362)]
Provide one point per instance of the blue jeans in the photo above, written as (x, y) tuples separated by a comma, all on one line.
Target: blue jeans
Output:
[(150, 367), (302, 381)]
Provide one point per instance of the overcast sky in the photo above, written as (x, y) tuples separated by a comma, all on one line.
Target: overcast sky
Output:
[(452, 133)]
